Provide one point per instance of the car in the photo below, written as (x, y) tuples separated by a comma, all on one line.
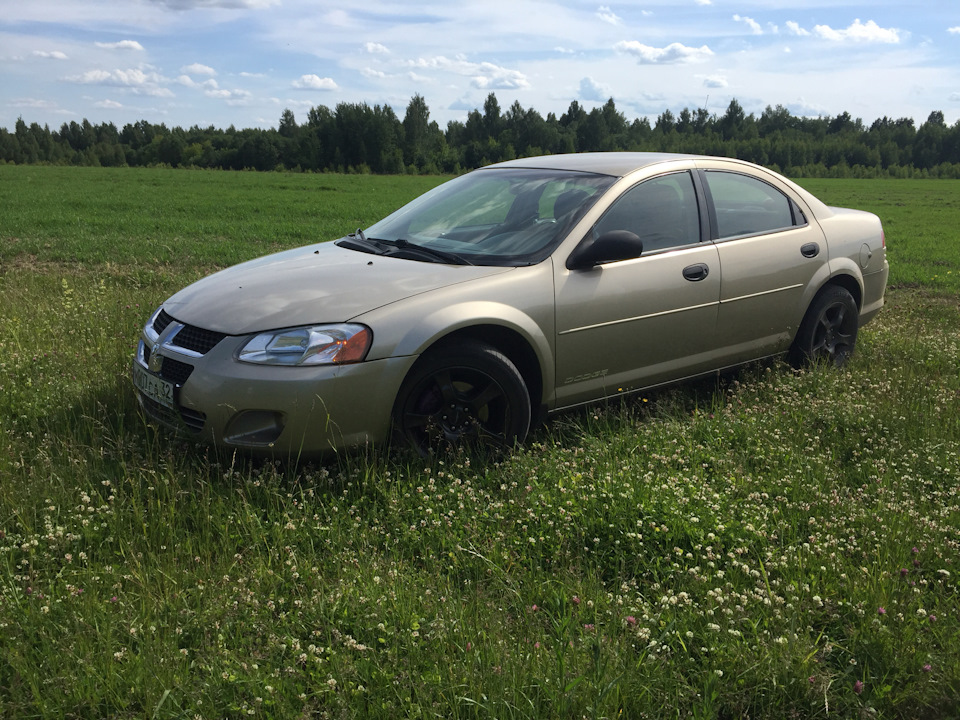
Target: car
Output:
[(509, 293)]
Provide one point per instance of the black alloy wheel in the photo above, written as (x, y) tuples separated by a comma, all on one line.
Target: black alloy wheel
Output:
[(828, 332), (468, 395)]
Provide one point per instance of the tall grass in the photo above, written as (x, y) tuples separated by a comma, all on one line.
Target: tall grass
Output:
[(770, 544)]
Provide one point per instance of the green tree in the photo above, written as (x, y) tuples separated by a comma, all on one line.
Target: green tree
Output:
[(416, 129)]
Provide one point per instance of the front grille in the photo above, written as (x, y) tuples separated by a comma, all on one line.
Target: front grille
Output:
[(175, 371), (197, 339), (190, 337), (160, 324)]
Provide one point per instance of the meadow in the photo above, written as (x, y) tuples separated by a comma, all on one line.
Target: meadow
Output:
[(773, 544)]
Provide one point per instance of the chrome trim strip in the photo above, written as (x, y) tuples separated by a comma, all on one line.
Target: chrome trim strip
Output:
[(638, 317), (169, 334), (760, 294)]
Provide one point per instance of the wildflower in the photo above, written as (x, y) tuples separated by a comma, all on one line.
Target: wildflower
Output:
[(812, 679), (881, 611), (588, 626), (469, 646), (533, 608), (903, 572), (858, 687), (631, 621), (928, 667), (932, 618), (576, 600)]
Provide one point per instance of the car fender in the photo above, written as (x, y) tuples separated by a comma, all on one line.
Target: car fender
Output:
[(847, 267), (412, 326)]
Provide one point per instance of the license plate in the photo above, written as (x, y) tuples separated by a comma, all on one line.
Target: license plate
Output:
[(155, 388)]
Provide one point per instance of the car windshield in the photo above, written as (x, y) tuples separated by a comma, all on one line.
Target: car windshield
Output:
[(495, 216)]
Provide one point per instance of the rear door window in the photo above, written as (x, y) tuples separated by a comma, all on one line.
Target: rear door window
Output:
[(747, 206)]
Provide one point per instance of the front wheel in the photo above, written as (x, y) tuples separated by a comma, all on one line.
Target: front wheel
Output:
[(828, 332), (470, 395)]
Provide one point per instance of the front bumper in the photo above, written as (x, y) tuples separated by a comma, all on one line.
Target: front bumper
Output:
[(281, 411)]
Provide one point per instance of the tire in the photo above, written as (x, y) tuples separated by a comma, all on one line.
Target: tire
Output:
[(828, 332), (469, 395)]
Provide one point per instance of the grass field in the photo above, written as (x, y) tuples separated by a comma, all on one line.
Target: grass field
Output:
[(780, 544)]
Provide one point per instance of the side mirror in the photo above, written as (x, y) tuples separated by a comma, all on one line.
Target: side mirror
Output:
[(610, 247)]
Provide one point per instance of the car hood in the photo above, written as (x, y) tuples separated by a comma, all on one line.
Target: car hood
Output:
[(309, 285)]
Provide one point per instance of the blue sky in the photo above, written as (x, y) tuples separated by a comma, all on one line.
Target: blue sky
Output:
[(242, 62)]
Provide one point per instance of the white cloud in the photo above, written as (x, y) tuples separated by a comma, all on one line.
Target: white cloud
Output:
[(954, 30), (376, 48), (188, 81), (608, 16), (795, 29), (52, 55), (714, 81), (224, 4), (672, 53), (750, 23), (371, 73), (590, 89), (227, 94), (703, 2), (121, 45), (859, 32), (108, 104), (134, 79), (314, 82), (492, 77), (198, 69), (33, 103), (484, 76)]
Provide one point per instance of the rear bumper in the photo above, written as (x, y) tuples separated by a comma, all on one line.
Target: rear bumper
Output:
[(874, 286)]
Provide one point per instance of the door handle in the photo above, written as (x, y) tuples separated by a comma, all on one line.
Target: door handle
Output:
[(810, 250), (695, 273)]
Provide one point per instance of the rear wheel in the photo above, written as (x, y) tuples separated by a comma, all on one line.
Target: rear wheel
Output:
[(828, 332), (470, 395)]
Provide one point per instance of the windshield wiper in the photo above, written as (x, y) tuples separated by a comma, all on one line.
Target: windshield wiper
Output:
[(358, 241), (442, 255)]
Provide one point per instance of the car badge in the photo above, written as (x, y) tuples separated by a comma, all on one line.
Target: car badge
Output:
[(156, 359)]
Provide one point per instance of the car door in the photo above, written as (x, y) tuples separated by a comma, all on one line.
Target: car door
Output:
[(645, 319), (770, 253)]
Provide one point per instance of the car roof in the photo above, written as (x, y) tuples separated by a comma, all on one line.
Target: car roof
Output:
[(617, 164)]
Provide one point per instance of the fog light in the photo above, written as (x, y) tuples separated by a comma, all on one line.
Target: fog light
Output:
[(255, 428)]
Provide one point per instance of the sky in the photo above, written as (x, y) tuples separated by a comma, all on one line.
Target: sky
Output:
[(242, 62)]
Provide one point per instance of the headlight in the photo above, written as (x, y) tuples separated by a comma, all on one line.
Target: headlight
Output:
[(317, 345)]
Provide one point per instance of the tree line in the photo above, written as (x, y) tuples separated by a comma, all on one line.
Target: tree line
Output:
[(358, 138)]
